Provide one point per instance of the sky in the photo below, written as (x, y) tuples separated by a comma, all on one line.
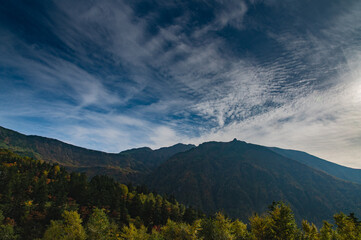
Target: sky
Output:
[(113, 75)]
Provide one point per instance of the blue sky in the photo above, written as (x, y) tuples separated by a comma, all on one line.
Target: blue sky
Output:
[(113, 75)]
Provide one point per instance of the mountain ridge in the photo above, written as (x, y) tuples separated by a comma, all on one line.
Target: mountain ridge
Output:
[(334, 169), (237, 177), (124, 166), (242, 178)]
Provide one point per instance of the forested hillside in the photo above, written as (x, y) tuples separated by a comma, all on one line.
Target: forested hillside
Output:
[(345, 173), (242, 178), (43, 201), (33, 192), (235, 177), (127, 166)]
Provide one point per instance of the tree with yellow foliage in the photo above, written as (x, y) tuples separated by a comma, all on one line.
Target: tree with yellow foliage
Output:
[(70, 228)]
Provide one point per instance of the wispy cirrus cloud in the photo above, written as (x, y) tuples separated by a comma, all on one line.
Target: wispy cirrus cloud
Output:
[(324, 123), (112, 75)]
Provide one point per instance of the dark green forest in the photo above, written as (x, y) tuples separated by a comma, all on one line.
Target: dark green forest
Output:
[(39, 200), (237, 178)]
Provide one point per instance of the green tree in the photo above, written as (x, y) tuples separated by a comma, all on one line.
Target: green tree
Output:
[(40, 194), (124, 190), (347, 228), (239, 230), (283, 222), (98, 226), (179, 231), (218, 228), (69, 228), (310, 231), (326, 232), (278, 223), (78, 187), (6, 230), (136, 206), (261, 226), (132, 233)]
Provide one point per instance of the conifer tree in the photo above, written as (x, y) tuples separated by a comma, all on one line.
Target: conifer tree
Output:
[(98, 226), (70, 228), (6, 230)]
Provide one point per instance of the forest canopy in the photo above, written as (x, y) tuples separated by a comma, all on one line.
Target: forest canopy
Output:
[(39, 200)]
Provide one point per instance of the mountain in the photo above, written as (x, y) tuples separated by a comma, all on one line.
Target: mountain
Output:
[(236, 177), (44, 201), (345, 173), (126, 166), (32, 194), (242, 178), (153, 158)]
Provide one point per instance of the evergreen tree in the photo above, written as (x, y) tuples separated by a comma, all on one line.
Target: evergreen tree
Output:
[(310, 231), (70, 228), (278, 223), (132, 233), (261, 227), (239, 230), (98, 226), (6, 230), (347, 228), (218, 228), (283, 222), (180, 231)]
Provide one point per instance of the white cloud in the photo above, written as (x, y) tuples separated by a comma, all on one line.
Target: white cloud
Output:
[(214, 96), (324, 123)]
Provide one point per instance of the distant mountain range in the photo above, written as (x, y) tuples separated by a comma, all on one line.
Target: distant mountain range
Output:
[(348, 174), (236, 177), (126, 166)]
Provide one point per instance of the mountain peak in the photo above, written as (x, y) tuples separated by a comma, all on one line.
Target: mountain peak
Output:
[(140, 149), (242, 178)]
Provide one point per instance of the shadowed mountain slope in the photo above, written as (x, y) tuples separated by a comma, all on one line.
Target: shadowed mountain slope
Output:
[(153, 158), (130, 165), (242, 178), (236, 177), (345, 173)]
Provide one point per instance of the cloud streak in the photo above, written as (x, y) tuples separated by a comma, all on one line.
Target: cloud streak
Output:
[(114, 75)]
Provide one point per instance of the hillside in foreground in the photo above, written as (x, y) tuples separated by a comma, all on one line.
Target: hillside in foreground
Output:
[(43, 201), (235, 177)]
